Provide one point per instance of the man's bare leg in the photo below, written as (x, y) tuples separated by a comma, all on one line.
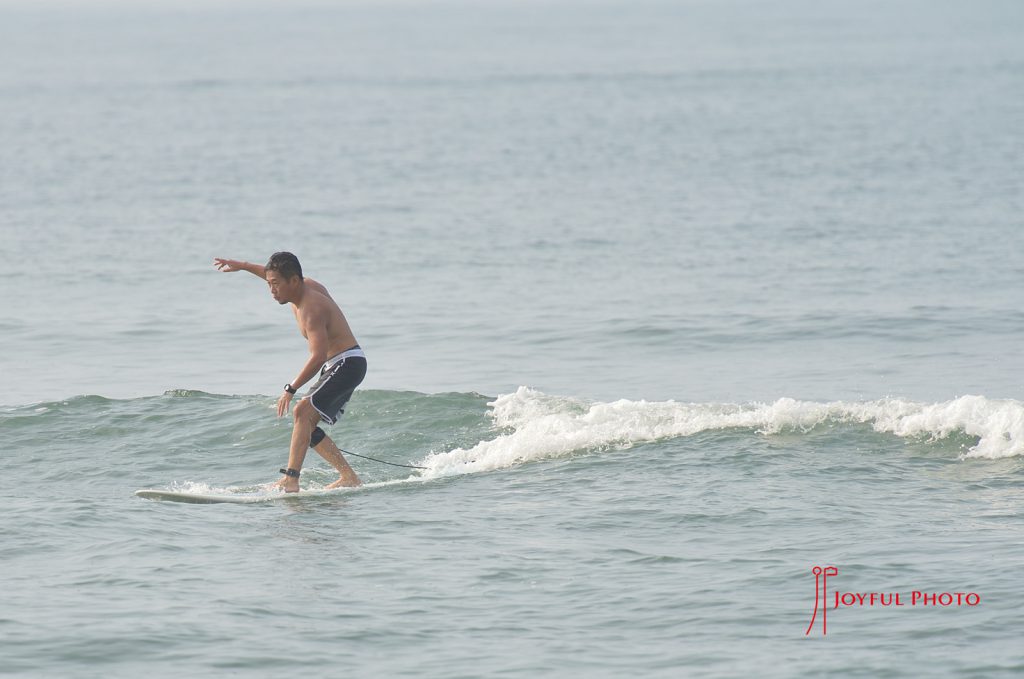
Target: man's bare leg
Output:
[(347, 477), (328, 450), (306, 418)]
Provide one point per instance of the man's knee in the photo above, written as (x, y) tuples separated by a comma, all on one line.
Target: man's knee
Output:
[(317, 436), (305, 410)]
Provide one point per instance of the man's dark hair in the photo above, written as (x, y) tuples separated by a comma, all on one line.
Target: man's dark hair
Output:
[(285, 263)]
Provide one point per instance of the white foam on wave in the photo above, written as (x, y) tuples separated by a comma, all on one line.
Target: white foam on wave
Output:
[(538, 426), (200, 488), (998, 424)]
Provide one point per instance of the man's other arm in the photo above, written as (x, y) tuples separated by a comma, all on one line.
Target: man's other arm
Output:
[(233, 265)]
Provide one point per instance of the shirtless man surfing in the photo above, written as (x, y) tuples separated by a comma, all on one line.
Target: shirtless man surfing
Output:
[(333, 352)]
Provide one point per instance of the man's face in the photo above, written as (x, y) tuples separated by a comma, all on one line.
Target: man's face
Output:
[(280, 287)]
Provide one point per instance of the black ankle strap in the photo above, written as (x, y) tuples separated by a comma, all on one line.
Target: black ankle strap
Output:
[(294, 473)]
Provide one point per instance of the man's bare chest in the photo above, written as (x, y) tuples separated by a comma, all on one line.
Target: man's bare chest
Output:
[(298, 321)]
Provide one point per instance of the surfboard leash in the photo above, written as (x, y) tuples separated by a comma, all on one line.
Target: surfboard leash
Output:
[(393, 464)]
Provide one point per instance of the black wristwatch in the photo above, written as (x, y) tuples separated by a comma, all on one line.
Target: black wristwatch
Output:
[(289, 388)]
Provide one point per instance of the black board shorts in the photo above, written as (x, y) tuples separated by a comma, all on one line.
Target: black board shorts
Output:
[(339, 377)]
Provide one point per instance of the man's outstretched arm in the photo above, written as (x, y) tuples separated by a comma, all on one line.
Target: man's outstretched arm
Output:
[(232, 265)]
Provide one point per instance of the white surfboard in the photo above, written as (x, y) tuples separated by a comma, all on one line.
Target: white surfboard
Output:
[(229, 496)]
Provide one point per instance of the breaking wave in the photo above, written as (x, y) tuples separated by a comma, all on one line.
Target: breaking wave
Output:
[(537, 426)]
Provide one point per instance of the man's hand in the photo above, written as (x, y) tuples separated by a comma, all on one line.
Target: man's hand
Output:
[(283, 404), (228, 265)]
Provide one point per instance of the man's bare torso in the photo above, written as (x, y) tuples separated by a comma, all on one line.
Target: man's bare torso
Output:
[(316, 298)]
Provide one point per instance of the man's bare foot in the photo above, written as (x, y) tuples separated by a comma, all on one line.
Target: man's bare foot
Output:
[(288, 484), (346, 482)]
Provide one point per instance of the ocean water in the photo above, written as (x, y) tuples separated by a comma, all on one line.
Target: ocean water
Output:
[(672, 303)]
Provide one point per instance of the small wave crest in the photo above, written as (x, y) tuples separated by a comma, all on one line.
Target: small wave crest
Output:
[(540, 426)]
